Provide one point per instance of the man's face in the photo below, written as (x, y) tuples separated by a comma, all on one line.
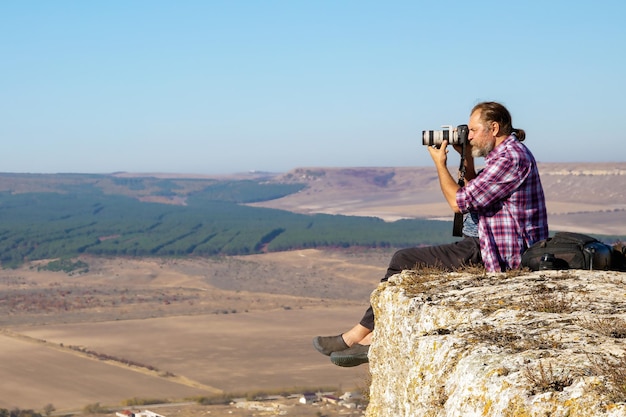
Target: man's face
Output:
[(480, 136)]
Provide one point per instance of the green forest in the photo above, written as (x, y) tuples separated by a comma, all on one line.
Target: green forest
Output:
[(63, 216)]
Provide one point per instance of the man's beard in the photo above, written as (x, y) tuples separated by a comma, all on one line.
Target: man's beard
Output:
[(481, 152)]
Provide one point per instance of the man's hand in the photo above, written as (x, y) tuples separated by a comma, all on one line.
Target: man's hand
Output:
[(468, 150), (439, 155)]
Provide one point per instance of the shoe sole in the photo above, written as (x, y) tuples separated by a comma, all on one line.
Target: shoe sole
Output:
[(348, 361)]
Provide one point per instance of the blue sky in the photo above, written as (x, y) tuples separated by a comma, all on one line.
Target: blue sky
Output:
[(207, 87)]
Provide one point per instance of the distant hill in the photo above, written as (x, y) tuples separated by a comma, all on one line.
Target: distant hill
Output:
[(49, 216), (581, 197)]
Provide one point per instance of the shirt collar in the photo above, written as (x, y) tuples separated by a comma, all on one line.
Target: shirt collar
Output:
[(501, 146)]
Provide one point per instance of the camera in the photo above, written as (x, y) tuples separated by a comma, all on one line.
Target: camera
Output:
[(454, 136)]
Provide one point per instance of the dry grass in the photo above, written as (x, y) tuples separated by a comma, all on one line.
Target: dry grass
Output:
[(428, 279), (608, 326), (544, 378), (547, 300), (489, 308), (513, 273), (511, 340), (614, 374), (476, 270), (423, 279), (486, 333)]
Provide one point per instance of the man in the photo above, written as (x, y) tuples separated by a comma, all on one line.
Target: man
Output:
[(507, 195), (507, 198)]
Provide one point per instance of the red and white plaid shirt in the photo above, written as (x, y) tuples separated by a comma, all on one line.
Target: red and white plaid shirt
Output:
[(509, 199)]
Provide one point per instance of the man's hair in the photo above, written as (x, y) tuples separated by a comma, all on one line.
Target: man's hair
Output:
[(490, 111)]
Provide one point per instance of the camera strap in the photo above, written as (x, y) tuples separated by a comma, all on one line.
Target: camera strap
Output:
[(457, 228), (462, 166)]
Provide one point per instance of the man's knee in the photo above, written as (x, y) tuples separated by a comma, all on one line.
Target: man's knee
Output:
[(404, 259)]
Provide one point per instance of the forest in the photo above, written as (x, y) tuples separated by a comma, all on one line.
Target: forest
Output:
[(63, 216)]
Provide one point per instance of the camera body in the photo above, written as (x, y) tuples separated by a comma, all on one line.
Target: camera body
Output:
[(454, 136)]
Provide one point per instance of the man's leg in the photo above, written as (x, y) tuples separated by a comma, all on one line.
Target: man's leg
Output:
[(326, 345), (350, 348), (449, 256)]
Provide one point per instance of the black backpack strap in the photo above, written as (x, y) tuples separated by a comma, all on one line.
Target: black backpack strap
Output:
[(571, 237)]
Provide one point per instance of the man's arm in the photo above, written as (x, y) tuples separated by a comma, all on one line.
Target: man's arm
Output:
[(448, 185)]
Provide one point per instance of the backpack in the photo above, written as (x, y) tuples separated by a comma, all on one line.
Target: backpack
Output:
[(568, 250)]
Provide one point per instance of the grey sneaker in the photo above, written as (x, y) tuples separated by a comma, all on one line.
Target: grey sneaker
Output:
[(329, 344), (353, 356)]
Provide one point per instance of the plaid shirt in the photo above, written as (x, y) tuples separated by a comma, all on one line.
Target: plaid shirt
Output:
[(508, 197)]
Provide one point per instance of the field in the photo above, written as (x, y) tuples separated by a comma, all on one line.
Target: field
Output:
[(172, 330)]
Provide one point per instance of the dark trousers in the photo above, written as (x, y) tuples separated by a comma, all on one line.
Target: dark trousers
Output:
[(448, 256)]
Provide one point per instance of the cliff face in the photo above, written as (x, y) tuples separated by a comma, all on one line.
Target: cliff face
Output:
[(527, 344)]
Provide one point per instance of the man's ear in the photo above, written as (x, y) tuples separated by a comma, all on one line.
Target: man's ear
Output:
[(495, 127)]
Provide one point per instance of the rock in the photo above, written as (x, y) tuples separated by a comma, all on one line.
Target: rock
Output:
[(548, 343)]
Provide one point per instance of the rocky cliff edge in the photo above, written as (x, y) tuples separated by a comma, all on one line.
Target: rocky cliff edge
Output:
[(548, 343)]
